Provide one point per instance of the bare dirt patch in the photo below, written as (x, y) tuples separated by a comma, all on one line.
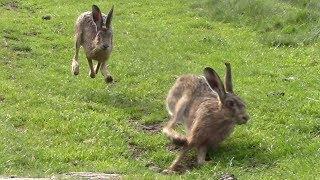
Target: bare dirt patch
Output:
[(173, 147), (11, 5), (316, 131), (188, 163), (275, 94), (150, 128), (153, 167), (21, 48), (10, 34), (136, 151), (32, 33)]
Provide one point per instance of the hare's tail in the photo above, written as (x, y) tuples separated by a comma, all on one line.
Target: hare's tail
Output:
[(175, 137)]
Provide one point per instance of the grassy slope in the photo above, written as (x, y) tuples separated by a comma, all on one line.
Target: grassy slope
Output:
[(280, 22), (53, 122)]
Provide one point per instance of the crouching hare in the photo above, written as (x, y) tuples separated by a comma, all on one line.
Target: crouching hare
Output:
[(94, 34), (209, 110)]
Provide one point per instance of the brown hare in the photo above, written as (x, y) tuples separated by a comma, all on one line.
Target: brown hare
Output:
[(209, 110), (94, 34)]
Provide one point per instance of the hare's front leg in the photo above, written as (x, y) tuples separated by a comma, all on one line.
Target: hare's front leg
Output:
[(92, 73), (75, 61), (104, 70), (201, 154), (97, 67)]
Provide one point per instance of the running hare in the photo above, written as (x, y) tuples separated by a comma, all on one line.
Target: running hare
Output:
[(94, 34), (209, 110)]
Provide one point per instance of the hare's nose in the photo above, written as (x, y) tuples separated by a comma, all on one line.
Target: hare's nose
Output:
[(245, 118), (105, 46)]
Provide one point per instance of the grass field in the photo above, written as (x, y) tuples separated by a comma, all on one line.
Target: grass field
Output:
[(53, 122)]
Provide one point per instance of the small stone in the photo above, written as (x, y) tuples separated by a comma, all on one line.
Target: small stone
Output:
[(154, 168), (227, 177), (46, 17), (168, 172), (289, 79)]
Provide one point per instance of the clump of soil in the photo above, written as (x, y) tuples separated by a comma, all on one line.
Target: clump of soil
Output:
[(136, 151), (152, 128)]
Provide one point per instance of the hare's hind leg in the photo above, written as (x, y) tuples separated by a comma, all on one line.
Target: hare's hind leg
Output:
[(175, 164), (179, 109), (173, 97), (178, 115), (75, 61), (104, 70)]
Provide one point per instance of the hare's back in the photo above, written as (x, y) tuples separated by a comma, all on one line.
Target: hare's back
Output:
[(203, 90), (185, 84), (192, 87), (182, 88), (204, 101)]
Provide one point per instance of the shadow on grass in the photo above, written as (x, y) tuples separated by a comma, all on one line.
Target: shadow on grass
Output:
[(112, 98), (250, 156), (140, 108)]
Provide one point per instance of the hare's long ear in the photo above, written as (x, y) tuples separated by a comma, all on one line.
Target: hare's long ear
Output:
[(97, 16), (215, 82), (109, 18), (228, 78)]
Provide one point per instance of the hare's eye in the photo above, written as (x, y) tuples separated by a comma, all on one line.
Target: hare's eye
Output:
[(230, 103)]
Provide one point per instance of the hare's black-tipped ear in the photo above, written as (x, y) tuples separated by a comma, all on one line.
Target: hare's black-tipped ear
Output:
[(97, 16), (109, 18), (215, 82), (228, 78)]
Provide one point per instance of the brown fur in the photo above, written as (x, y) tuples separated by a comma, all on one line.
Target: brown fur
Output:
[(94, 34), (208, 111)]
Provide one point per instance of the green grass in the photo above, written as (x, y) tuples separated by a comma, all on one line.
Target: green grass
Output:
[(53, 122), (280, 22)]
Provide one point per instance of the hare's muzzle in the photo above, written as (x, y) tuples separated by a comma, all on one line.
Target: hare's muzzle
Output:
[(105, 46), (243, 119)]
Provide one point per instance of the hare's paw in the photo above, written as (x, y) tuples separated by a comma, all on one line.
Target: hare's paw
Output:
[(108, 79), (75, 67), (92, 74), (204, 163)]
